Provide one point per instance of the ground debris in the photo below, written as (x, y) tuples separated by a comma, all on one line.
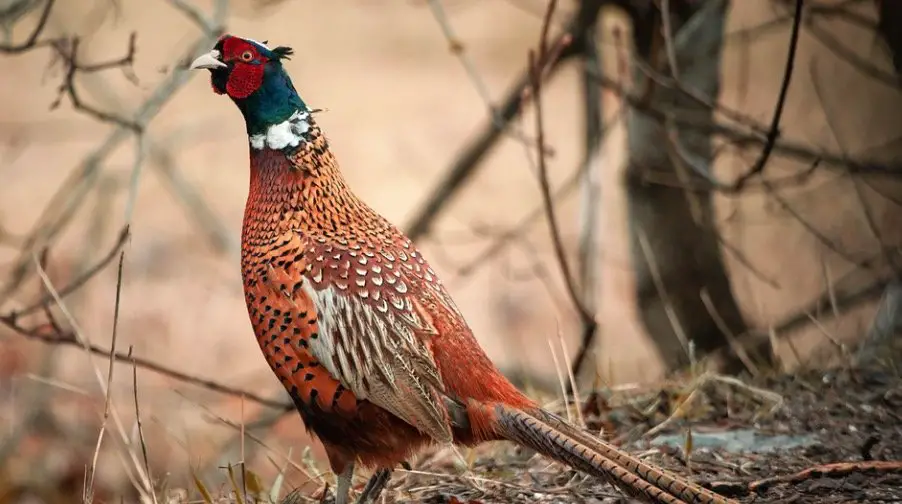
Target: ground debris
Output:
[(853, 418)]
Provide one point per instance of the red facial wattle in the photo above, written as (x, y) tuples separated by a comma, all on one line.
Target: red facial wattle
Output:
[(244, 80), (247, 67)]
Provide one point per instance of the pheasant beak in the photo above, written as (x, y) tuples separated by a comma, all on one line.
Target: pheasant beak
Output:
[(209, 60)]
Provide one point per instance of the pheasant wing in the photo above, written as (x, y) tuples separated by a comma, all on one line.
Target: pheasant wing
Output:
[(374, 309)]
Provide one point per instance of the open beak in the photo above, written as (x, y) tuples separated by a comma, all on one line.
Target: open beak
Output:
[(209, 60)]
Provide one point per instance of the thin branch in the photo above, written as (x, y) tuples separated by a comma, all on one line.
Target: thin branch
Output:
[(739, 136), (32, 41), (664, 295), (210, 25), (667, 28), (844, 299), (469, 160), (774, 130), (80, 339), (862, 64), (46, 334), (867, 264), (560, 254), (79, 281), (74, 67), (72, 193), (856, 182), (456, 46), (590, 231), (197, 209), (138, 421), (108, 397), (503, 239)]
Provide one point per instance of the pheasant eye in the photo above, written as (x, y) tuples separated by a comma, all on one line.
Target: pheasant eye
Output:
[(247, 56)]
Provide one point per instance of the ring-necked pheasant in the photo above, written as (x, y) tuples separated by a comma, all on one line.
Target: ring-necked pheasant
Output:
[(359, 329)]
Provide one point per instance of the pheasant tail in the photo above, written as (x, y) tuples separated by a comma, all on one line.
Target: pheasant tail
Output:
[(555, 438)]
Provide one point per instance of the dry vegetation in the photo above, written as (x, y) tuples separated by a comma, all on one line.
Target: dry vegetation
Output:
[(684, 216)]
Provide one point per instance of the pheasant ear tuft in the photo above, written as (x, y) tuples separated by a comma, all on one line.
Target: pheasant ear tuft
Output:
[(282, 52)]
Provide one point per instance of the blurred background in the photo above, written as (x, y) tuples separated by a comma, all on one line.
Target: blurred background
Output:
[(723, 175)]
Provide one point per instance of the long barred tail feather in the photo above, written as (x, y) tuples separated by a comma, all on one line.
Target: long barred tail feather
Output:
[(553, 437)]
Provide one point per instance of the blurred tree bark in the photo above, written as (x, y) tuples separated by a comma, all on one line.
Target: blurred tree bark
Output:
[(683, 292), (887, 324), (830, 242)]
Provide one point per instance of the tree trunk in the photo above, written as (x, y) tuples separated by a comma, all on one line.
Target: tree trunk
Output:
[(684, 294)]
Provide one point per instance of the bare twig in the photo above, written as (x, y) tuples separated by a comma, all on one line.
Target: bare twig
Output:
[(79, 338), (138, 421), (456, 46), (869, 263), (32, 41), (667, 28), (862, 64), (74, 67), (834, 470), (504, 238), (80, 280), (846, 300), (671, 314), (169, 372), (748, 136), (560, 376), (205, 218), (467, 162), (46, 334), (211, 25), (536, 63), (589, 234), (721, 324), (587, 317), (63, 205), (774, 131), (89, 488)]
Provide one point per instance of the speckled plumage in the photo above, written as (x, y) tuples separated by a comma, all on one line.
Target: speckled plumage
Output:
[(338, 295), (355, 323)]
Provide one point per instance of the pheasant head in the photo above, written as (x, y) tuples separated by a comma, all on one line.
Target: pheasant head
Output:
[(252, 75), (290, 159)]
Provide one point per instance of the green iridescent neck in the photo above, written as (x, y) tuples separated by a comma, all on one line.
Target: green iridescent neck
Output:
[(273, 104)]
